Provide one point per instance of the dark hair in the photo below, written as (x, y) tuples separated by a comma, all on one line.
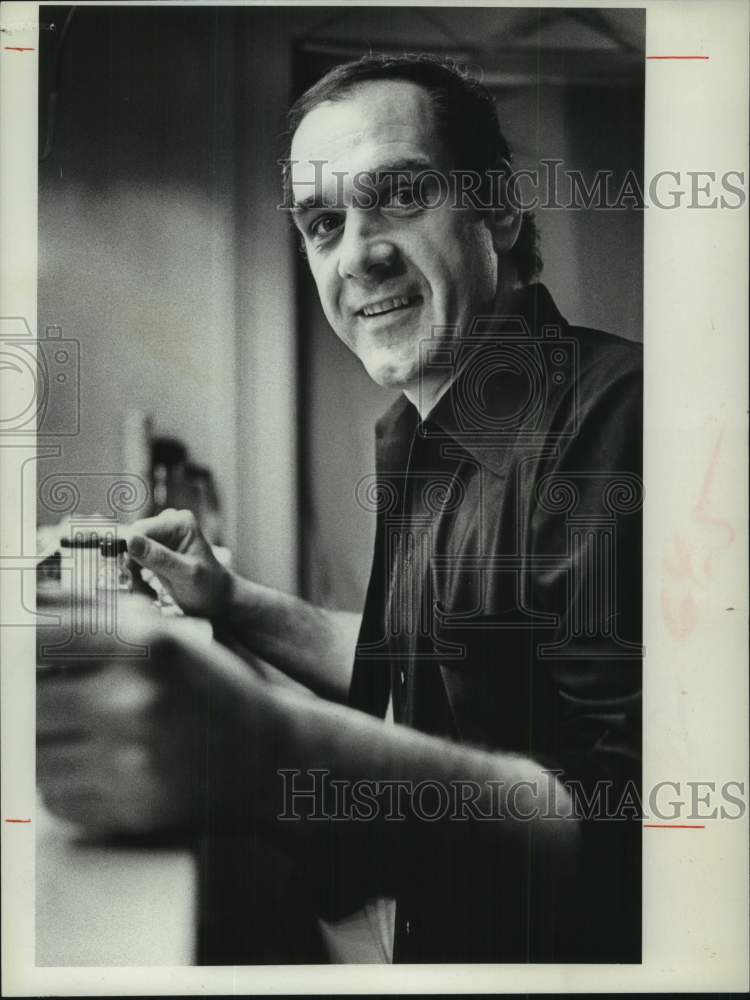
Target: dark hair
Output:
[(465, 117)]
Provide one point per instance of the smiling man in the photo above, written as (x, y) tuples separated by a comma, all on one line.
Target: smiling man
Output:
[(501, 627), (389, 267)]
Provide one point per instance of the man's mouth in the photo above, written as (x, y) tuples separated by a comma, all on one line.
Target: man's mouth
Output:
[(389, 305)]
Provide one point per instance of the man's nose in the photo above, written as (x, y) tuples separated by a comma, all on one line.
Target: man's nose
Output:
[(364, 251)]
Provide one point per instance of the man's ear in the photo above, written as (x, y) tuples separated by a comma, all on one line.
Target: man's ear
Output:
[(503, 219), (504, 225)]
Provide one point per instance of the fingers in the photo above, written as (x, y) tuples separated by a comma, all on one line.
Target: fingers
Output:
[(159, 558), (110, 756), (140, 586), (164, 528), (83, 805), (111, 786), (135, 746), (173, 549), (173, 528)]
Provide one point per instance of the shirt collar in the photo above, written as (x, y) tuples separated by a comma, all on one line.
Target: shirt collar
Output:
[(457, 417)]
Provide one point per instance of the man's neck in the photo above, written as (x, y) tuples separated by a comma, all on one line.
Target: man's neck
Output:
[(425, 394)]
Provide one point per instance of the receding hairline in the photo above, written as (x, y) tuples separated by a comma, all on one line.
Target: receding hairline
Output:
[(439, 157), (352, 89), (463, 112)]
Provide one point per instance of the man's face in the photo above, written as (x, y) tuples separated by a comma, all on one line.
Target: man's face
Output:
[(387, 273)]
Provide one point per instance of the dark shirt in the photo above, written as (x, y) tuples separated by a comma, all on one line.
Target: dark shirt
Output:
[(504, 611)]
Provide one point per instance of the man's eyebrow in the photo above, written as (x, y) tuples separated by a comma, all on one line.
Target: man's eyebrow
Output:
[(385, 170), (307, 204), (413, 165)]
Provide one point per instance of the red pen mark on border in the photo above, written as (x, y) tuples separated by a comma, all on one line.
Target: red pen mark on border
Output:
[(16, 48), (18, 821), (675, 826), (689, 563), (704, 58)]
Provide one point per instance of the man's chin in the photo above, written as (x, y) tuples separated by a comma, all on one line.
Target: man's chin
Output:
[(391, 376)]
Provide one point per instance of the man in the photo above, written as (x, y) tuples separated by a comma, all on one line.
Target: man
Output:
[(502, 620)]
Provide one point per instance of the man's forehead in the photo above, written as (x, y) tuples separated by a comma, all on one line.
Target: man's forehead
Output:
[(376, 123)]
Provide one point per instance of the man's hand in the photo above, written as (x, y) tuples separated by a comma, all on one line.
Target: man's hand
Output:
[(187, 739), (102, 754), (129, 744), (313, 646), (171, 546)]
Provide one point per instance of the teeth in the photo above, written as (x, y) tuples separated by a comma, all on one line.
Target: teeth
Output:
[(386, 306)]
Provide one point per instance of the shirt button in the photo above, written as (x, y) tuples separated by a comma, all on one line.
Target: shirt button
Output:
[(408, 926), (403, 677)]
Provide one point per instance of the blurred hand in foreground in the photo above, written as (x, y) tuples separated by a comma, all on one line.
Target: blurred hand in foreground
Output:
[(171, 546), (161, 741)]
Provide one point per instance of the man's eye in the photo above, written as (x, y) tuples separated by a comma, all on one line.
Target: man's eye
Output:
[(402, 198), (323, 226)]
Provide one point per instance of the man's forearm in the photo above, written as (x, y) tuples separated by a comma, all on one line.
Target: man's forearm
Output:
[(313, 758), (312, 645)]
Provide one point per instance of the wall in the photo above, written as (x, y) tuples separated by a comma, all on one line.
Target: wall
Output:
[(136, 237), (267, 405)]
